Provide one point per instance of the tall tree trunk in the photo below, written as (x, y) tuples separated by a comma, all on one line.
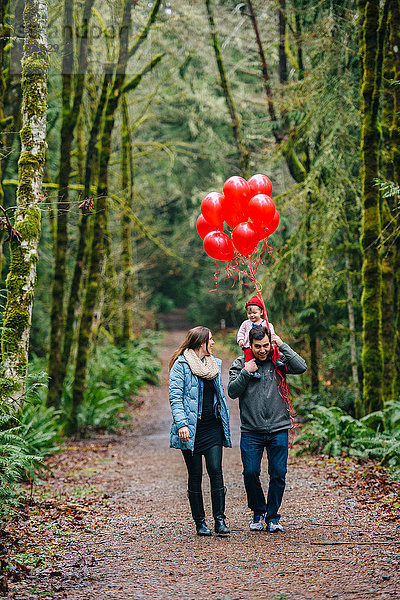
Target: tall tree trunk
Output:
[(388, 324), (127, 177), (352, 330), (395, 148), (22, 276), (4, 40), (388, 247), (372, 354), (71, 101), (282, 42), (244, 155), (311, 308), (299, 45)]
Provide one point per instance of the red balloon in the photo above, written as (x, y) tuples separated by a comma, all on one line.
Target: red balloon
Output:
[(260, 184), (237, 192), (218, 245), (211, 209), (264, 232), (232, 215), (274, 223), (203, 227), (245, 238), (261, 210)]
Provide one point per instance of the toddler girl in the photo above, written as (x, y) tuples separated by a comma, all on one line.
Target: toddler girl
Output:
[(255, 311)]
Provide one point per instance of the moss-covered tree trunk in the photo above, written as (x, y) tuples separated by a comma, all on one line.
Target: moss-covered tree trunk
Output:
[(4, 35), (282, 42), (311, 308), (395, 157), (71, 101), (244, 155), (4, 41), (22, 275), (127, 180), (388, 330), (372, 353), (352, 332), (388, 220)]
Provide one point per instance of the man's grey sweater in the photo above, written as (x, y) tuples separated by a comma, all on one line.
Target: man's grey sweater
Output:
[(261, 405)]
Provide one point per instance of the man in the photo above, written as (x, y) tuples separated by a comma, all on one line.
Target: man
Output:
[(265, 422)]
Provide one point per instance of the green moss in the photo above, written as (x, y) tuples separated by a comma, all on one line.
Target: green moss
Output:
[(16, 321), (30, 226), (28, 159), (26, 137), (8, 387)]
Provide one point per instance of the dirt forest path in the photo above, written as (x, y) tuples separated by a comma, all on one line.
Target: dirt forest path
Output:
[(140, 542)]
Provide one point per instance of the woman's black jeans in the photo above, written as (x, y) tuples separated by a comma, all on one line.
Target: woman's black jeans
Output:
[(194, 464)]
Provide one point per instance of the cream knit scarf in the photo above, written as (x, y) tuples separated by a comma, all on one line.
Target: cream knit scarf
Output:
[(206, 368)]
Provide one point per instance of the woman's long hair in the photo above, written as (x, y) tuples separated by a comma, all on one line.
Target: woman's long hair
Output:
[(194, 339)]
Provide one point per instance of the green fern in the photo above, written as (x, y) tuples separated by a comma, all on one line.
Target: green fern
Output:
[(333, 432)]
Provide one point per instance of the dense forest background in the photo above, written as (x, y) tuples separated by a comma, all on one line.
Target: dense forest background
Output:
[(151, 105)]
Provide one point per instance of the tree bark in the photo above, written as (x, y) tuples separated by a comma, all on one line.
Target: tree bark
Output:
[(372, 354), (311, 308), (395, 150), (4, 40), (22, 275), (352, 329), (282, 42), (388, 220), (388, 325), (127, 180)]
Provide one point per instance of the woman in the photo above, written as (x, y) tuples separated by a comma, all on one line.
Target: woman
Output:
[(200, 422)]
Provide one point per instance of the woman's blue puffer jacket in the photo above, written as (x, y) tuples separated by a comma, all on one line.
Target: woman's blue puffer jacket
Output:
[(185, 390)]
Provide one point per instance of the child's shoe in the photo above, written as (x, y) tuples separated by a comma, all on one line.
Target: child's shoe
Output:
[(256, 375)]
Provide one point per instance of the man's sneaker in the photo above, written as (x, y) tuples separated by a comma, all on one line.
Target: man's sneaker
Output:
[(274, 527), (256, 524), (257, 375)]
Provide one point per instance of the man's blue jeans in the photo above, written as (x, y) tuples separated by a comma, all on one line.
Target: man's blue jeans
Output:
[(252, 446)]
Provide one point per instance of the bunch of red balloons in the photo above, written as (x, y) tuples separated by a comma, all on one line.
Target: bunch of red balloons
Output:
[(247, 208)]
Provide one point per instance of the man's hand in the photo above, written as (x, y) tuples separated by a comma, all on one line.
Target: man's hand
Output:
[(183, 433), (275, 338), (251, 366), (241, 343)]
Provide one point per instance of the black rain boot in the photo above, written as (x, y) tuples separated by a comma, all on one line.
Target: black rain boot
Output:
[(197, 508), (218, 506)]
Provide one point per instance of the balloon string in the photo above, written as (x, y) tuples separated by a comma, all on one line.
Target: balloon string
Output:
[(217, 272), (257, 286)]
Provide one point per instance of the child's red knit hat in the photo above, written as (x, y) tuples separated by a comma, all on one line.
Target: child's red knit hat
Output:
[(254, 301)]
